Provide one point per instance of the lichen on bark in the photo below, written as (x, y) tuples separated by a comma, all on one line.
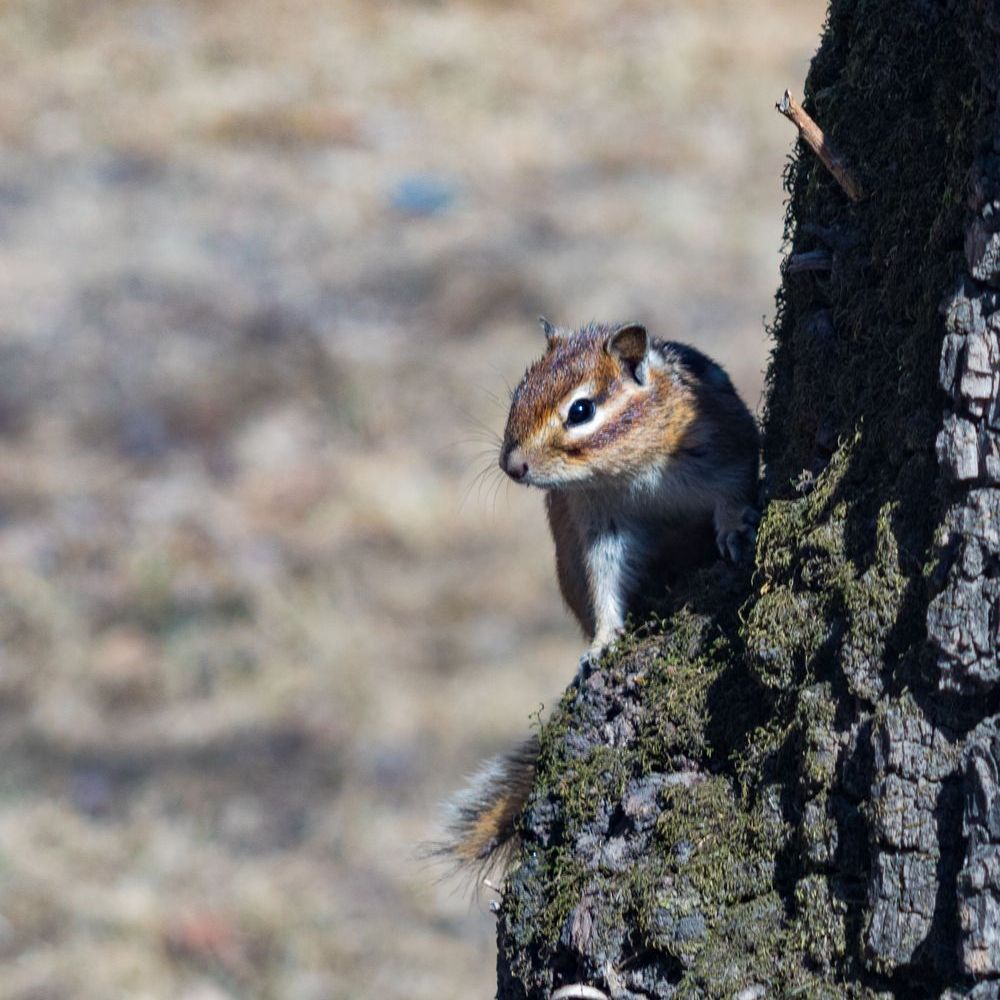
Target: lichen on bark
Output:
[(787, 785)]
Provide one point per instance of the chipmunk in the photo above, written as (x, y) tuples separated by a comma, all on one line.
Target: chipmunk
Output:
[(630, 436), (640, 445)]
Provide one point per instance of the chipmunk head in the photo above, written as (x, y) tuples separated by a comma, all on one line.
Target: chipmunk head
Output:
[(598, 405)]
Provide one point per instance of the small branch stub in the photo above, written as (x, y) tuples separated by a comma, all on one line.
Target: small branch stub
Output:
[(814, 138), (809, 260)]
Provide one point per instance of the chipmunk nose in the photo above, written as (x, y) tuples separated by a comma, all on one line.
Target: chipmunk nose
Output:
[(512, 462)]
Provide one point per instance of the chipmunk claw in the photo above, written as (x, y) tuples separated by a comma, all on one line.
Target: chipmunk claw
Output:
[(591, 659), (586, 665), (736, 534)]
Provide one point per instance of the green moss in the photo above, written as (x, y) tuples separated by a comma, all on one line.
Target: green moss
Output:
[(721, 849), (689, 664), (784, 631), (583, 785), (819, 929), (815, 717)]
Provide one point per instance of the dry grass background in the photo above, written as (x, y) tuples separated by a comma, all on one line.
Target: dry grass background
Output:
[(250, 635)]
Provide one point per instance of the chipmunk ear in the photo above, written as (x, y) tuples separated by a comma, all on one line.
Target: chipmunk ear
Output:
[(548, 329), (629, 344)]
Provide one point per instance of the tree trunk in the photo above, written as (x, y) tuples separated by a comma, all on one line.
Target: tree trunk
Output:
[(790, 785)]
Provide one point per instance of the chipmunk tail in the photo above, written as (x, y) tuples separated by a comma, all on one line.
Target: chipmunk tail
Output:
[(481, 825)]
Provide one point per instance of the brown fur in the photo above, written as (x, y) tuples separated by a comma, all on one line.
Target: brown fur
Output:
[(485, 829), (570, 569), (655, 419), (482, 828)]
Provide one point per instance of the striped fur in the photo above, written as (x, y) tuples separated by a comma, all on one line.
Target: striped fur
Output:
[(481, 824)]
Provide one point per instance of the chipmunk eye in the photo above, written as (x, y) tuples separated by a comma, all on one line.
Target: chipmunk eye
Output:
[(581, 411)]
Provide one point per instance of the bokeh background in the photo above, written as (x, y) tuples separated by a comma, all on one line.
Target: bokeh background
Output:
[(266, 272)]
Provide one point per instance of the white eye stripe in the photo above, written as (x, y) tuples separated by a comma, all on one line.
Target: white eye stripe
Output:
[(602, 414), (606, 410)]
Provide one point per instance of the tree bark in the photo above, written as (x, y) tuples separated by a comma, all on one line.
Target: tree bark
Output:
[(790, 785)]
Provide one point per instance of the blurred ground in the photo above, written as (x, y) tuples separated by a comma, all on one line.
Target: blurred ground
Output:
[(264, 272)]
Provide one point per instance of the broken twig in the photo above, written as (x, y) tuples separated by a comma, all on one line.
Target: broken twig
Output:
[(814, 138)]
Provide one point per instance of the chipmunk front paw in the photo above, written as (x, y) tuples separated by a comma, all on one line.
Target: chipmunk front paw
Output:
[(604, 640), (585, 666), (736, 532), (601, 643)]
